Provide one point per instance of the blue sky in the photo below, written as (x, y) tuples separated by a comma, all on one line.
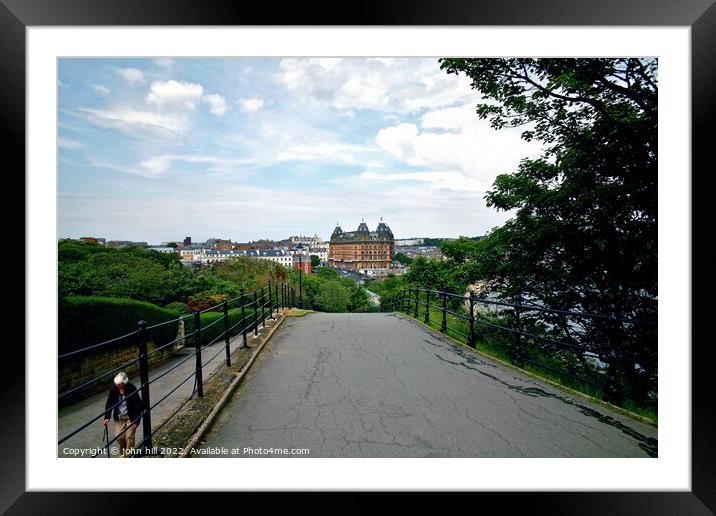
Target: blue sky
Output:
[(159, 149)]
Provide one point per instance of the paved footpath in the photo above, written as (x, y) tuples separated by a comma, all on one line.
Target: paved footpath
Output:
[(381, 385), (73, 416)]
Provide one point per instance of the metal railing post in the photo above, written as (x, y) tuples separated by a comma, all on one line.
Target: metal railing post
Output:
[(611, 389), (256, 323), (283, 296), (244, 324), (270, 302), (144, 381), (263, 308), (417, 293), (426, 319), (518, 338), (471, 335), (197, 346), (443, 323), (226, 333), (275, 298)]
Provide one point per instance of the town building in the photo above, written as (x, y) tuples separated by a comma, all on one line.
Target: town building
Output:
[(258, 244), (162, 249), (321, 252), (274, 255), (409, 241), (305, 240), (118, 244), (215, 255), (303, 264), (361, 249)]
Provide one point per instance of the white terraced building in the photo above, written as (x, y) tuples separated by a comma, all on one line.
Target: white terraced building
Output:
[(215, 255), (282, 257)]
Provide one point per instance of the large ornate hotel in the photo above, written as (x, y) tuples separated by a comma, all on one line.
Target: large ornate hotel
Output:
[(361, 249)]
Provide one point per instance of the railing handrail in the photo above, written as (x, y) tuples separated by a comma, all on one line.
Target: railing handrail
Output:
[(523, 307), (266, 304), (158, 325)]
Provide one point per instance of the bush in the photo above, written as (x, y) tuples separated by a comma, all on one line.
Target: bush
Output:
[(178, 307), (204, 300), (88, 320), (332, 297)]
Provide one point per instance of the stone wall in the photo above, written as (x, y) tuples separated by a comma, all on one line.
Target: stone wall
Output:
[(74, 371)]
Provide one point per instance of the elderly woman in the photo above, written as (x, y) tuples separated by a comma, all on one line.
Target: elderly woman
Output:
[(125, 403)]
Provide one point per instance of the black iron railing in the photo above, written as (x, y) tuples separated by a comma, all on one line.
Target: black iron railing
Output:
[(261, 304), (566, 343)]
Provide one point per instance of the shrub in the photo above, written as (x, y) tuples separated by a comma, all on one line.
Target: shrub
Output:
[(178, 307), (88, 320), (332, 297), (204, 300)]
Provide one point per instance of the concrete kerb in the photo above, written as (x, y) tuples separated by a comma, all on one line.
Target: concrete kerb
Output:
[(559, 386), (211, 417)]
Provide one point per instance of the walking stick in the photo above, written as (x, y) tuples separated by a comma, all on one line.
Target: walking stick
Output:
[(105, 439)]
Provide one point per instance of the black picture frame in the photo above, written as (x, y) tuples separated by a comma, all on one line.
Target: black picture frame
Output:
[(700, 15)]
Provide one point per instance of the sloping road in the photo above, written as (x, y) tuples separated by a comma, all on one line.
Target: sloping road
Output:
[(381, 385)]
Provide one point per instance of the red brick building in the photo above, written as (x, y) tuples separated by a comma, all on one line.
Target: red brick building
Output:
[(305, 264), (361, 249)]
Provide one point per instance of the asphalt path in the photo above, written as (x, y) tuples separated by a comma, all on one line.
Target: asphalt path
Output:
[(382, 385)]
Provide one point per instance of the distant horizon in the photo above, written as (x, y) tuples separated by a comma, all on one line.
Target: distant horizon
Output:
[(199, 239)]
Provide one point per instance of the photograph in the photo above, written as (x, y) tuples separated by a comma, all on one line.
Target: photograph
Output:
[(357, 257)]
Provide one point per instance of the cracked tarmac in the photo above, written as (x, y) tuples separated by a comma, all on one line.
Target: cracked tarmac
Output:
[(379, 385)]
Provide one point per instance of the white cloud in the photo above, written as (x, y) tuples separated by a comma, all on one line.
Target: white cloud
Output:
[(131, 75), (100, 88), (321, 151), (174, 94), (450, 180), (455, 139), (383, 84), (159, 165), (137, 123), (178, 95), (67, 143), (217, 104), (250, 104)]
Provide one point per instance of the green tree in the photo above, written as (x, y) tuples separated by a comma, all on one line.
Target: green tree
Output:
[(584, 231), (332, 297), (428, 273), (315, 261), (403, 258), (461, 249)]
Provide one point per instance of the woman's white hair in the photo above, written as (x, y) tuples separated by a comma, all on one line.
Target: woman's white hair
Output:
[(121, 378)]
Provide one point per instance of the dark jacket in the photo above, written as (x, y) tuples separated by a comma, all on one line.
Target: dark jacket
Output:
[(134, 403)]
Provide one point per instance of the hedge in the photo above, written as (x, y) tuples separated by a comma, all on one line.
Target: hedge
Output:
[(88, 320)]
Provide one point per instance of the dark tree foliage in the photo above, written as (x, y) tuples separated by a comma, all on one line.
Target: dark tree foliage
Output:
[(403, 258), (584, 233)]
